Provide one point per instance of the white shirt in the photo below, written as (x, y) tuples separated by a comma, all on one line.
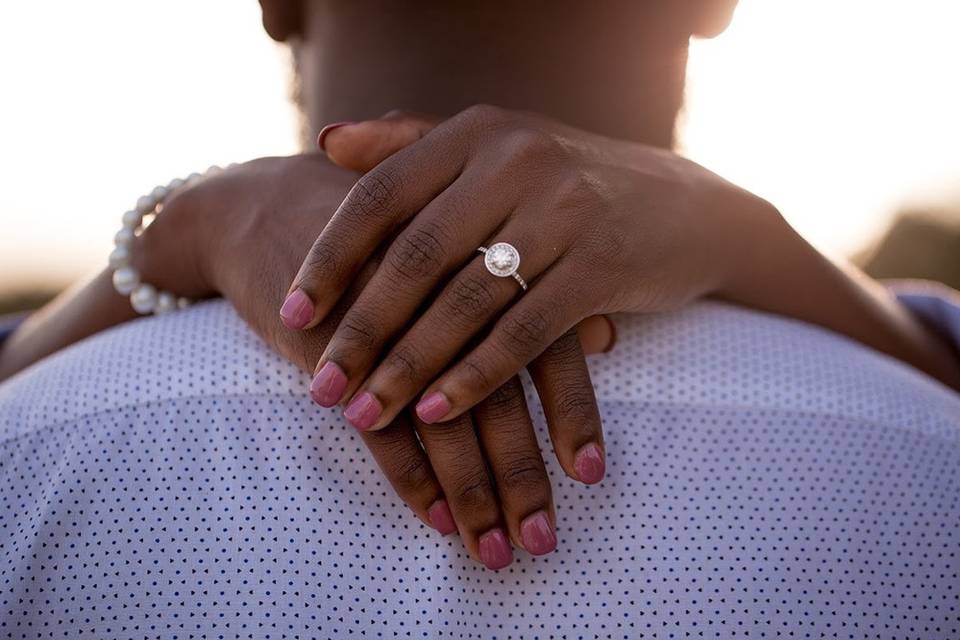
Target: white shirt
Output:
[(765, 478)]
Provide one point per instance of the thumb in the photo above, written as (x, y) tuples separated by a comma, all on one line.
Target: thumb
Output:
[(361, 146)]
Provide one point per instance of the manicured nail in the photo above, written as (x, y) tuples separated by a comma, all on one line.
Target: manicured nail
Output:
[(363, 411), (495, 551), (440, 517), (297, 310), (321, 138), (589, 463), (433, 407), (537, 534), (328, 385)]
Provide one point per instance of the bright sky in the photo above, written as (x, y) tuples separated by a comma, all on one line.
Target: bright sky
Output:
[(835, 111)]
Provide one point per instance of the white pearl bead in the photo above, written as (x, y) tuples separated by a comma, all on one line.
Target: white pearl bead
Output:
[(124, 237), (145, 204), (175, 184), (159, 193), (144, 298), (125, 280), (132, 219), (166, 302), (119, 257), (183, 303), (193, 177)]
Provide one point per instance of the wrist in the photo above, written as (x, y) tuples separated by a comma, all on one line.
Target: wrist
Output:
[(757, 244)]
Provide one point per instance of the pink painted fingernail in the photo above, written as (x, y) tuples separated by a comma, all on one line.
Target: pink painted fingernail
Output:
[(440, 517), (328, 385), (495, 552), (297, 310), (433, 407), (589, 463), (321, 138), (363, 411), (537, 534)]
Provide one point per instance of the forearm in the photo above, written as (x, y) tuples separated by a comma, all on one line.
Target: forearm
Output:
[(783, 274), (75, 314)]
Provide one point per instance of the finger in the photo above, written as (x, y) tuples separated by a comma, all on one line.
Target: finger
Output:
[(541, 316), (598, 334), (361, 146), (376, 206), (436, 242), (510, 443), (461, 469), (562, 379), (460, 312), (406, 466)]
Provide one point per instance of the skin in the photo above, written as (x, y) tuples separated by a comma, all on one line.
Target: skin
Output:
[(242, 234), (602, 226), (616, 74)]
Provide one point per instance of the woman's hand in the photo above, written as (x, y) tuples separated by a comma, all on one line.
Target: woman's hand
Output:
[(601, 226), (243, 234)]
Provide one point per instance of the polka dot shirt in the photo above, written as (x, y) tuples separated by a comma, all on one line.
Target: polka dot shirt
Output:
[(170, 478)]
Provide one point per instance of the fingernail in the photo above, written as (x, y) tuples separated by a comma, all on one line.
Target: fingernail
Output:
[(363, 411), (589, 463), (297, 310), (328, 385), (537, 534), (495, 551), (440, 517), (326, 131), (433, 407)]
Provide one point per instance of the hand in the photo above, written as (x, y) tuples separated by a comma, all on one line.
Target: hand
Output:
[(601, 226), (245, 231)]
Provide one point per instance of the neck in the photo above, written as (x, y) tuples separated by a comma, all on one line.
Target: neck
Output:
[(614, 68)]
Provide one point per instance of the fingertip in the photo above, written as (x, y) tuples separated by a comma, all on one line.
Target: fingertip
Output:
[(441, 518), (297, 310), (328, 385), (537, 534), (590, 463), (322, 136), (363, 411), (433, 407)]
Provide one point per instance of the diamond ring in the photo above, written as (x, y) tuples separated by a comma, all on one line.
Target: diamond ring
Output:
[(502, 260)]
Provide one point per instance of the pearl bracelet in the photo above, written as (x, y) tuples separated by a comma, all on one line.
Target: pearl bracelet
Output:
[(145, 298)]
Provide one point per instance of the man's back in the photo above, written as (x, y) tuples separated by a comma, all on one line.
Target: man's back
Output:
[(765, 478)]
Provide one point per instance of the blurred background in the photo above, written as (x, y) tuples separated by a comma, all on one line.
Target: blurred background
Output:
[(844, 114)]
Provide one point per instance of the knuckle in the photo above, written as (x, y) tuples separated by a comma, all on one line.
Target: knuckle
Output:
[(582, 194), (402, 461), (565, 349), (404, 361), (417, 253), (373, 196), (504, 401), (411, 475), (483, 114), (473, 493), (527, 143), (474, 375), (522, 332), (577, 405), (324, 258), (522, 474), (357, 330), (470, 298)]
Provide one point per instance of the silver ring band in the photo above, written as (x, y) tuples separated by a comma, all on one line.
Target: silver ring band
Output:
[(502, 260)]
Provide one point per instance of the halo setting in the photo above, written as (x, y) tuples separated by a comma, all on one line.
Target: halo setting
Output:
[(502, 259)]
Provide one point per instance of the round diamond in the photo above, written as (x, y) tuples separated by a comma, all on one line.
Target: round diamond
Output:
[(502, 259)]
